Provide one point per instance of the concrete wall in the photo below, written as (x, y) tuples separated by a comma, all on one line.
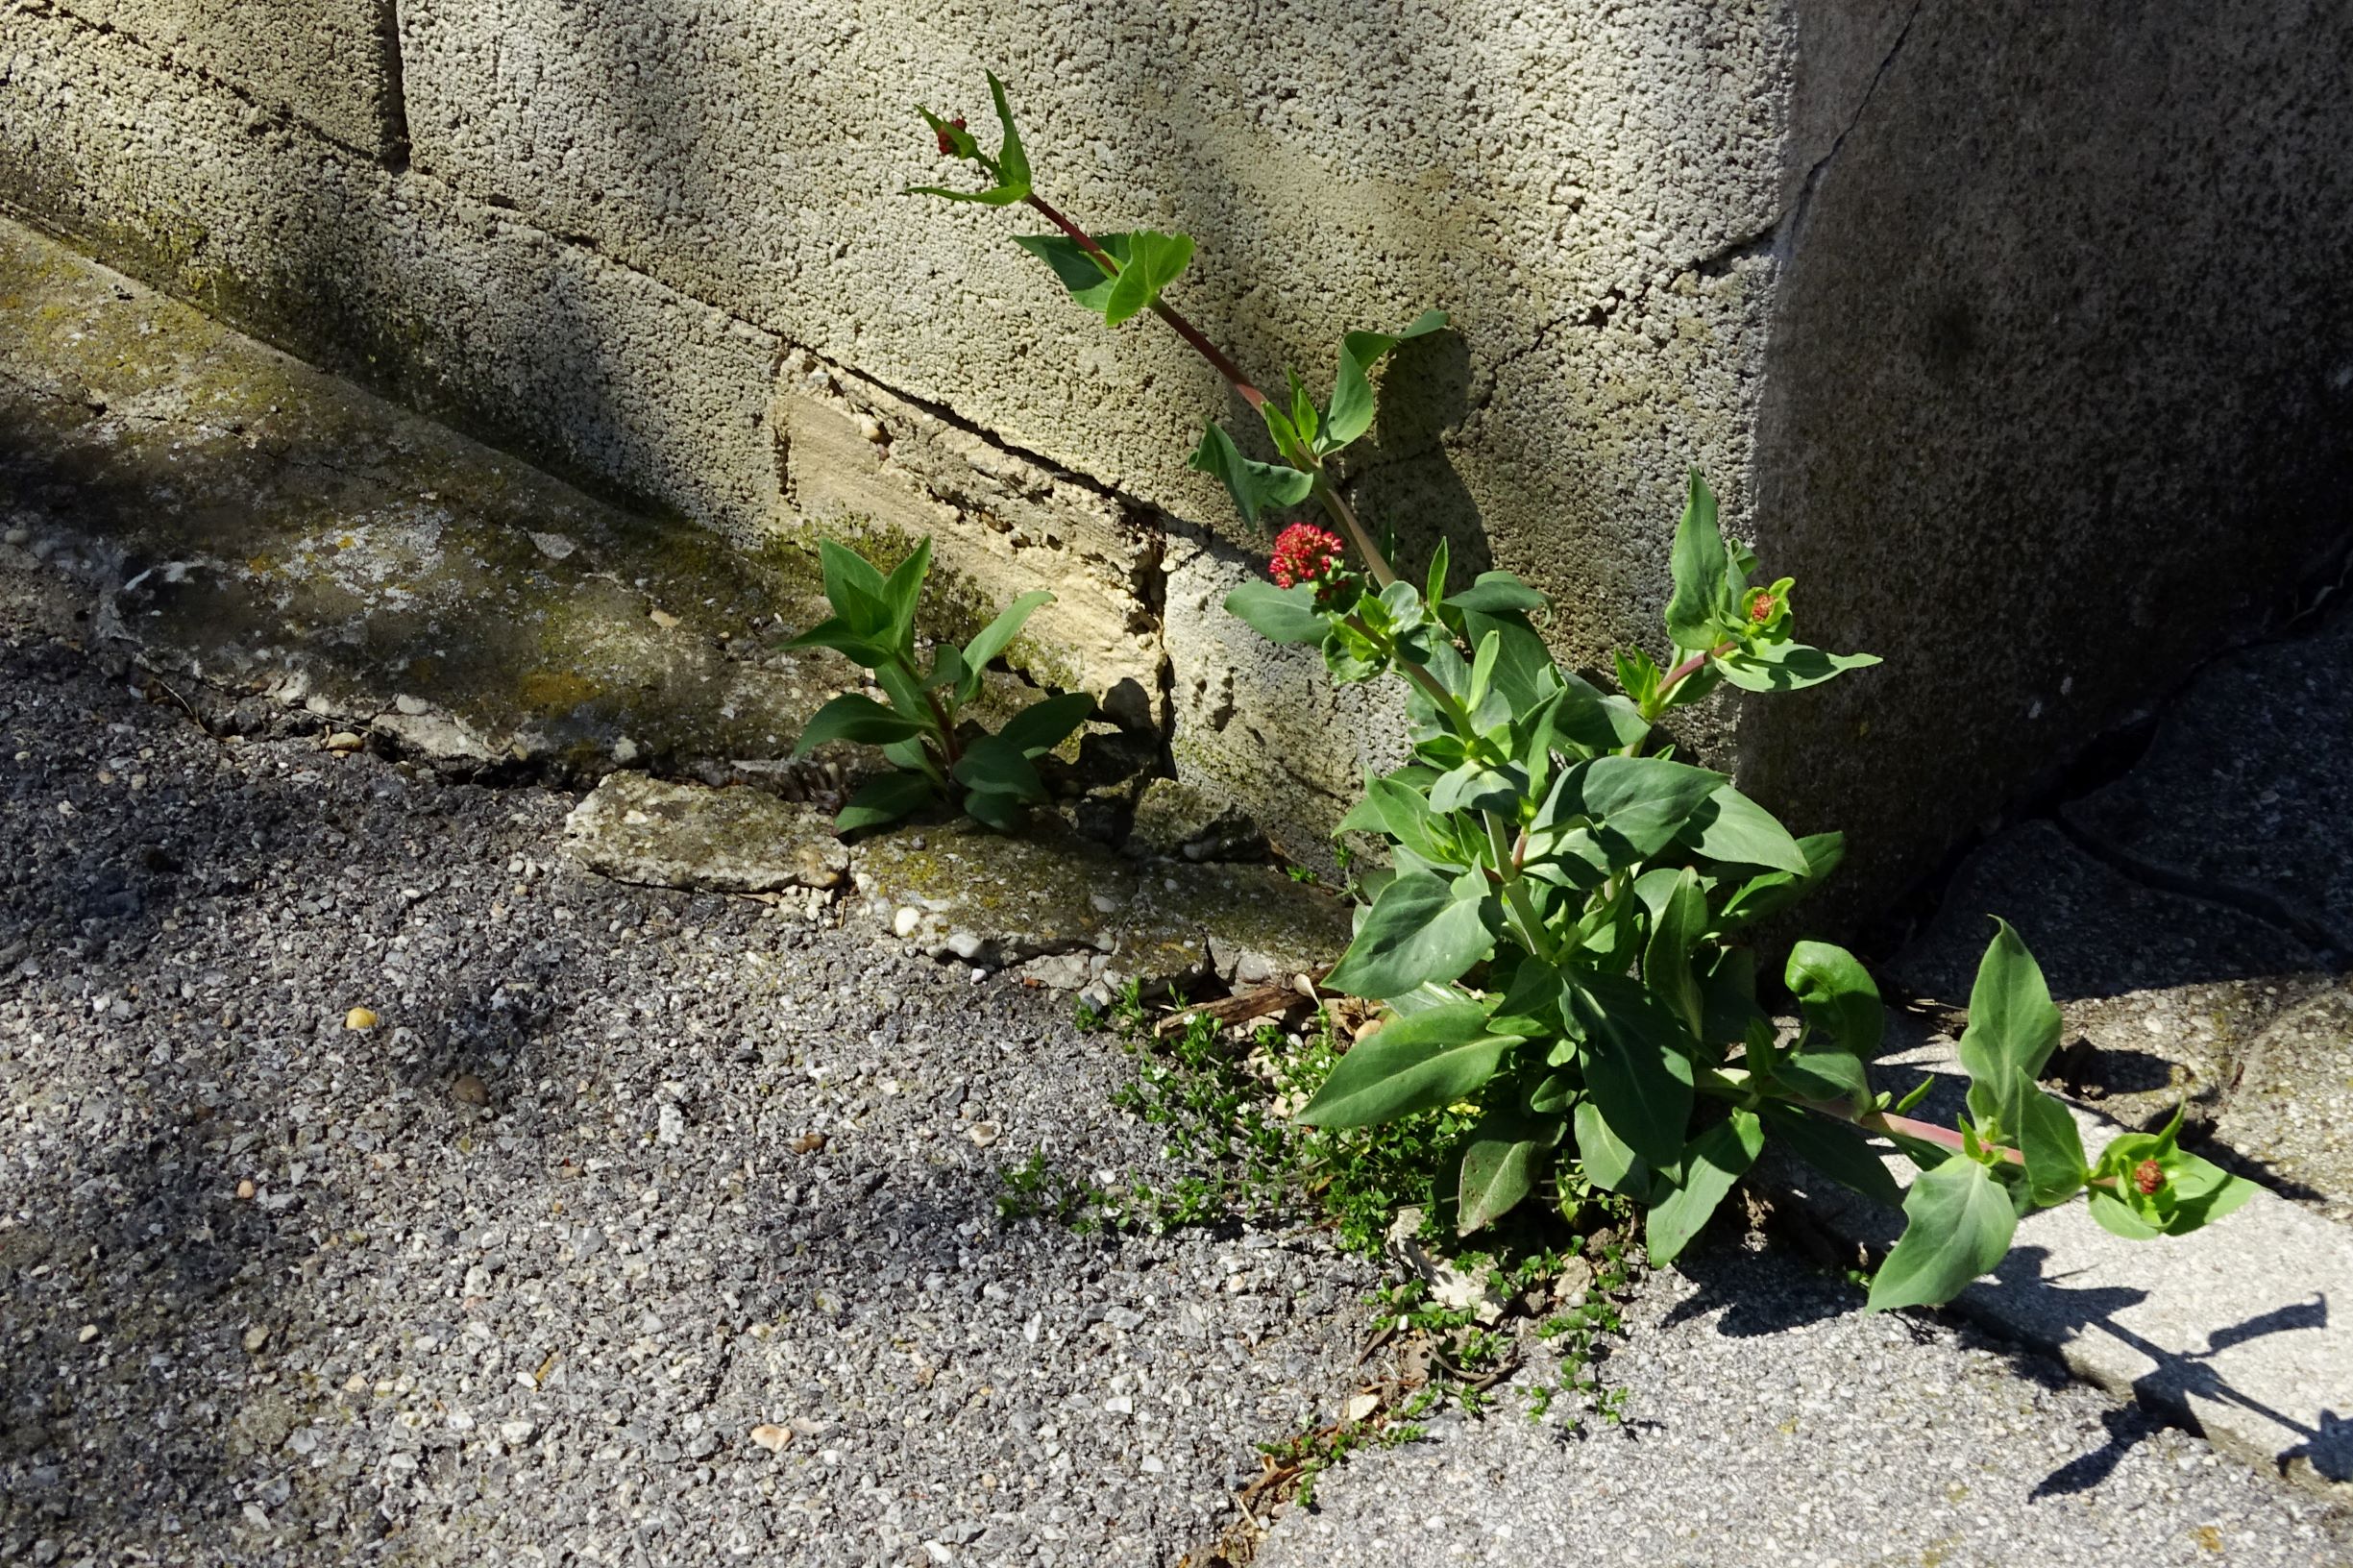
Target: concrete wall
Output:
[(1936, 294)]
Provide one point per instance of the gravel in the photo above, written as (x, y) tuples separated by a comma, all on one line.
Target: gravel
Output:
[(637, 1227), (631, 1227)]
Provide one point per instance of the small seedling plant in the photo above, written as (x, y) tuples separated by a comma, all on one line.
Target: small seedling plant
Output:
[(935, 756), (1558, 941)]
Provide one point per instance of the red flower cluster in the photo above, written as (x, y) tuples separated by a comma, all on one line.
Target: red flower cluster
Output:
[(2148, 1176), (1305, 553), (947, 144)]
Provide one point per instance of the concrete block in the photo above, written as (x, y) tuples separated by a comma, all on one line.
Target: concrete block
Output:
[(397, 280), (333, 64), (2059, 398), (857, 457), (1572, 185)]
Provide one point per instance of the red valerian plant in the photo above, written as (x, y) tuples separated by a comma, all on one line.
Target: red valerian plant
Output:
[(1559, 938)]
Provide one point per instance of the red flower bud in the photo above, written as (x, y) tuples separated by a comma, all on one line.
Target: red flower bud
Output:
[(2148, 1176), (1761, 611), (1305, 553), (947, 143)]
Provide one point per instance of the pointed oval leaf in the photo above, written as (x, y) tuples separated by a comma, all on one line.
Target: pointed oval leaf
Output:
[(1960, 1224), (1713, 1161), (1419, 930), (1502, 1161), (1280, 615), (1698, 566), (998, 633), (885, 800), (1045, 724), (851, 717), (1417, 1063), (1637, 1065), (1255, 486), (2013, 1023)]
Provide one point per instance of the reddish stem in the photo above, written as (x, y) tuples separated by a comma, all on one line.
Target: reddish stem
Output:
[(1185, 329)]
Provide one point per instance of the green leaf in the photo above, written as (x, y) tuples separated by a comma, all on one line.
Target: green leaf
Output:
[(2013, 1028), (1729, 827), (1146, 261), (1476, 787), (1012, 161), (1153, 262), (902, 590), (855, 590), (991, 808), (860, 647), (1960, 1224), (1280, 615), (998, 633), (1398, 812), (1835, 1149), (1089, 282), (995, 765), (1593, 723), (1418, 1062), (1255, 486), (2048, 1137), (1825, 1075), (1640, 802), (1787, 667), (1435, 592), (1497, 592), (1502, 1159), (1715, 1159), (1419, 929), (1699, 565), (947, 668), (1352, 389), (2115, 1216), (884, 801), (1043, 726), (1776, 892), (1837, 996), (1637, 1065), (1666, 959), (851, 717), (1606, 1159)]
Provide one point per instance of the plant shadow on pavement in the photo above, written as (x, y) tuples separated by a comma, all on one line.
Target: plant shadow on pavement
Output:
[(2179, 1381)]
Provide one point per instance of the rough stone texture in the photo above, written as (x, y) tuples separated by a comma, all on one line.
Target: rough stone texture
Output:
[(247, 519), (1178, 820), (1768, 1421), (1566, 182), (860, 459), (1264, 722), (2248, 786), (2058, 396), (960, 891), (445, 302), (333, 63), (2166, 989), (2231, 1327), (638, 829), (2290, 1120)]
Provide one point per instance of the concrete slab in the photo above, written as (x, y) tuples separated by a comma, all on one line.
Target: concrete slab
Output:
[(2162, 991), (2233, 1329), (448, 303), (333, 64), (2249, 787), (249, 520), (2289, 1119)]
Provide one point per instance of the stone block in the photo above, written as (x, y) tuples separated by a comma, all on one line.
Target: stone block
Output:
[(2058, 399), (333, 64), (396, 280), (857, 459), (1573, 186)]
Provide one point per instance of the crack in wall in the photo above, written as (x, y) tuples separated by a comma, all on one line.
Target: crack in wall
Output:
[(1791, 222)]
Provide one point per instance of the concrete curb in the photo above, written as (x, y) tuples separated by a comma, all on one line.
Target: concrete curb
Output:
[(2227, 1330)]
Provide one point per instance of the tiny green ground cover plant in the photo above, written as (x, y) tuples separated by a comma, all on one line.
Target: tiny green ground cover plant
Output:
[(935, 759), (1558, 944)]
